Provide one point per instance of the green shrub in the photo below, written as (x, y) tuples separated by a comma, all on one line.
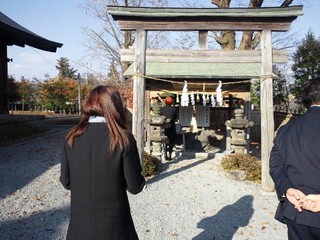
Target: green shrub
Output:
[(249, 164), (150, 165)]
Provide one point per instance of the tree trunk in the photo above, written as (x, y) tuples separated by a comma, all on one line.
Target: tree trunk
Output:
[(227, 39), (221, 3), (249, 40)]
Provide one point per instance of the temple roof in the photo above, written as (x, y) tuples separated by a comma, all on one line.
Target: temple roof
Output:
[(13, 33)]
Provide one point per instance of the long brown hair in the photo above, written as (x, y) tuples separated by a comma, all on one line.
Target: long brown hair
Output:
[(104, 101)]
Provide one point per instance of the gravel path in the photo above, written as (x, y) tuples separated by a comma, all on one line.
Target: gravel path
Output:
[(190, 199)]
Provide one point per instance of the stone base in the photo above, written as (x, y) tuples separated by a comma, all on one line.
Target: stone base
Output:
[(239, 149)]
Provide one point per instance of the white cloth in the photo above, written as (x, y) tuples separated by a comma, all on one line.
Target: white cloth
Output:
[(96, 119), (185, 96)]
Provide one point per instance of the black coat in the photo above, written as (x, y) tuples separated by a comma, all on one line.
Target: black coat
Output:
[(295, 162), (170, 113), (98, 184)]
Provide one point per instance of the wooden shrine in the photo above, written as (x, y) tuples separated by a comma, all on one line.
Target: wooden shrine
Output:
[(265, 20)]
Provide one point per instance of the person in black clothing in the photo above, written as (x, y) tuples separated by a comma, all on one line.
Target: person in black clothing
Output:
[(295, 168), (99, 164), (170, 128)]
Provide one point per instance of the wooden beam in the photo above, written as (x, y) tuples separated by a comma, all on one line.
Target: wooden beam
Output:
[(266, 102), (139, 84), (218, 56), (213, 25)]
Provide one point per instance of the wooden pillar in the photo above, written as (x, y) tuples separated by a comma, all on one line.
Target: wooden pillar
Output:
[(203, 39), (266, 102), (147, 124), (3, 80), (228, 139), (139, 83)]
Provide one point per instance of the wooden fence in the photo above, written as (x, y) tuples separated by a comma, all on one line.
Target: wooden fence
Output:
[(280, 118)]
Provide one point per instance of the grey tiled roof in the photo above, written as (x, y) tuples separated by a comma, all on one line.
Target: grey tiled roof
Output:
[(12, 33)]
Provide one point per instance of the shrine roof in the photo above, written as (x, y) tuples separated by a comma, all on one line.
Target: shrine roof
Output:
[(13, 33), (181, 19), (228, 71), (157, 12)]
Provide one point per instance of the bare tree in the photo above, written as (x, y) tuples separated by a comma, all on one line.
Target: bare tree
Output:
[(246, 40), (104, 43), (249, 39)]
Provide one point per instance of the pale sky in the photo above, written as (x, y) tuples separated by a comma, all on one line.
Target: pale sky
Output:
[(63, 21)]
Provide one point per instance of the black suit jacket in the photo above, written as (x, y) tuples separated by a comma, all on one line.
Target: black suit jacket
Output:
[(171, 113), (295, 162), (98, 184)]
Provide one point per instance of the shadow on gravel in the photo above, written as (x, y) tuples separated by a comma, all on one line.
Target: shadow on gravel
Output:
[(46, 225), (162, 174), (17, 170), (226, 222)]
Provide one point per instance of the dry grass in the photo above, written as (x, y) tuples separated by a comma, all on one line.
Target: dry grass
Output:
[(45, 113), (251, 165), (150, 165)]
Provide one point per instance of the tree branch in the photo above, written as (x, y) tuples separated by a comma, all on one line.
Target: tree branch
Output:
[(286, 3), (221, 3)]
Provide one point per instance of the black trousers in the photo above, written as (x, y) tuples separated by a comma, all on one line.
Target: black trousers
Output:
[(171, 134), (301, 232), (169, 148)]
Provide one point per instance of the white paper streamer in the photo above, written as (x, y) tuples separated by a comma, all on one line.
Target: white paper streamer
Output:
[(184, 96), (219, 94)]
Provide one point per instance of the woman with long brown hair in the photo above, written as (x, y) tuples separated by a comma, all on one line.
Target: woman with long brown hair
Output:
[(99, 163)]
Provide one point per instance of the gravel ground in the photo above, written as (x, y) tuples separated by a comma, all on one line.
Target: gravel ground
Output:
[(190, 199)]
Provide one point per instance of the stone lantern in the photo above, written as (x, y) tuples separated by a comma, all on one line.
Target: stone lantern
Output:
[(157, 136), (237, 127)]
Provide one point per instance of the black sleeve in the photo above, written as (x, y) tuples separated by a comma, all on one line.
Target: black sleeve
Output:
[(64, 168), (132, 167), (277, 169)]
